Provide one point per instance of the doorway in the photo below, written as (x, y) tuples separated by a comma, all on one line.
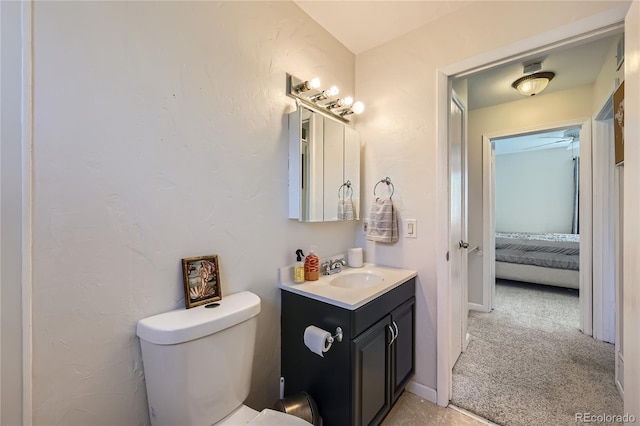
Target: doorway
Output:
[(548, 213), (535, 45)]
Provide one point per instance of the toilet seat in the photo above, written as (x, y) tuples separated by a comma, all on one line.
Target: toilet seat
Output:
[(248, 416)]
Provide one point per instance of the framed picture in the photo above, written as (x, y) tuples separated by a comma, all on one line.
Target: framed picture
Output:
[(201, 280), (618, 123)]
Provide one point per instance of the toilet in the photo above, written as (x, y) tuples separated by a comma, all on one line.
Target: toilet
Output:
[(197, 365)]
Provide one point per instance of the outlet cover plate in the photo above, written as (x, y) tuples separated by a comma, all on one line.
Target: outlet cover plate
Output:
[(410, 228)]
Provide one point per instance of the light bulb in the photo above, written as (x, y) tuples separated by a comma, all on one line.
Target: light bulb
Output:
[(314, 83), (333, 91), (357, 107), (325, 94), (339, 103)]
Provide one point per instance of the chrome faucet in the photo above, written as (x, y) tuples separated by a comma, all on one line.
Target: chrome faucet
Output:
[(333, 267)]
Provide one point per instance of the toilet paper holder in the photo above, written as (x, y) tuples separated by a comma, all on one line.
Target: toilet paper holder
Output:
[(337, 336)]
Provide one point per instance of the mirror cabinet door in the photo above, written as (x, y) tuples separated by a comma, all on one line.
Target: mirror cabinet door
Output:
[(352, 167), (323, 155), (333, 167), (312, 167)]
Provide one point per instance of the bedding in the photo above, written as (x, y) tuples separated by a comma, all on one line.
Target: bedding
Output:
[(551, 259)]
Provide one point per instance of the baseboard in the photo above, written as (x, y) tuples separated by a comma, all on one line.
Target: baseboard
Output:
[(620, 373), (472, 415), (477, 307), (422, 391)]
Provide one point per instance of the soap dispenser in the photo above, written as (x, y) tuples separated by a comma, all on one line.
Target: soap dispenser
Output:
[(298, 268), (312, 266)]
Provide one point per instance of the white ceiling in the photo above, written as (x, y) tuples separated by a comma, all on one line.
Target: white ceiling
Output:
[(362, 25), (575, 66)]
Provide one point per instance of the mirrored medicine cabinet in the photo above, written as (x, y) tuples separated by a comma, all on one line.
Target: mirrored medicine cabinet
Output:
[(324, 168)]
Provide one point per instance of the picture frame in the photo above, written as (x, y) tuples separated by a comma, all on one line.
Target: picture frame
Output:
[(201, 280), (618, 124)]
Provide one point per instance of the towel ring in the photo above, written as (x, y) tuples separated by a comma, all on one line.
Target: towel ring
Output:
[(348, 185), (386, 180)]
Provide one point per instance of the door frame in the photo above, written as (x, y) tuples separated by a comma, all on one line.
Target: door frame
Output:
[(605, 202), (584, 29), (585, 213)]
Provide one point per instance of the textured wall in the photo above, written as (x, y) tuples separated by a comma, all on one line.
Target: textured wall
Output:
[(160, 133)]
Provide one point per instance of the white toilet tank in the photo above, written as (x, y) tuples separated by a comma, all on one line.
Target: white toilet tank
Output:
[(197, 362)]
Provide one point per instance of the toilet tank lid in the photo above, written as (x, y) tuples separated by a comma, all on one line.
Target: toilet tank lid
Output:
[(183, 325)]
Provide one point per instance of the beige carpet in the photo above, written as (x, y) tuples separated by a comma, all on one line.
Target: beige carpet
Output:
[(528, 364)]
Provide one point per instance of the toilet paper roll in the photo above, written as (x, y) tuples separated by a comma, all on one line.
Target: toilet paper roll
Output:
[(354, 257), (317, 340)]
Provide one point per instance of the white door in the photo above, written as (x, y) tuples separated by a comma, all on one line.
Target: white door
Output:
[(458, 235)]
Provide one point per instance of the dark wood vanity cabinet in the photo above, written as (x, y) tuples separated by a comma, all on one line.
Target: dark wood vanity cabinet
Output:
[(359, 379)]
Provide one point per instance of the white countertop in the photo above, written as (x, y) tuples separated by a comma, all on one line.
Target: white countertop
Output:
[(348, 298)]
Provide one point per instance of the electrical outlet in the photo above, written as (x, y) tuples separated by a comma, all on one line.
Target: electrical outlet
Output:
[(365, 225)]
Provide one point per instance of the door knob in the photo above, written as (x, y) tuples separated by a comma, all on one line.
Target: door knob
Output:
[(463, 244)]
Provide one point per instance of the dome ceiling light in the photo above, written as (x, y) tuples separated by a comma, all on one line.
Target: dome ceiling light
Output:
[(534, 81)]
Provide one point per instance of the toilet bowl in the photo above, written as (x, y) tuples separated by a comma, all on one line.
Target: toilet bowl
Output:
[(197, 364)]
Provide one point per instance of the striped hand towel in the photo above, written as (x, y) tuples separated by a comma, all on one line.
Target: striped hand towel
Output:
[(383, 221), (345, 209)]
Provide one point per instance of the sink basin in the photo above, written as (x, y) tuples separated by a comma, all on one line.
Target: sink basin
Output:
[(357, 280)]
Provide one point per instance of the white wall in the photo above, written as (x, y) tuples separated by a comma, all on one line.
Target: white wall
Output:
[(10, 215), (534, 191), (397, 82), (605, 83), (160, 133)]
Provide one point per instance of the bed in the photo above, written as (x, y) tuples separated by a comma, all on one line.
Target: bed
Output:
[(550, 259)]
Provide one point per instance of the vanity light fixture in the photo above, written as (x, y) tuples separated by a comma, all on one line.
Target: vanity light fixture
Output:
[(534, 82), (356, 108), (309, 93), (312, 84), (325, 94), (340, 103)]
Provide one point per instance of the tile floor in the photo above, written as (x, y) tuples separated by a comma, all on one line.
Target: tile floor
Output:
[(412, 410)]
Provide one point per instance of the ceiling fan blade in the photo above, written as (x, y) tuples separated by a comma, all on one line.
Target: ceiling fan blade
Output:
[(544, 144), (554, 137)]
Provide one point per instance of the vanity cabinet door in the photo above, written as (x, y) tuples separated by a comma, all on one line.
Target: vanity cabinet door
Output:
[(403, 348), (372, 378)]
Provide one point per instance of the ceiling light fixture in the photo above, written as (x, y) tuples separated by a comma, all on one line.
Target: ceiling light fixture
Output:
[(532, 84), (309, 93)]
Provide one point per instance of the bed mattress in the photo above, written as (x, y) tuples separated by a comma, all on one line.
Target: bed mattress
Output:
[(557, 251)]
